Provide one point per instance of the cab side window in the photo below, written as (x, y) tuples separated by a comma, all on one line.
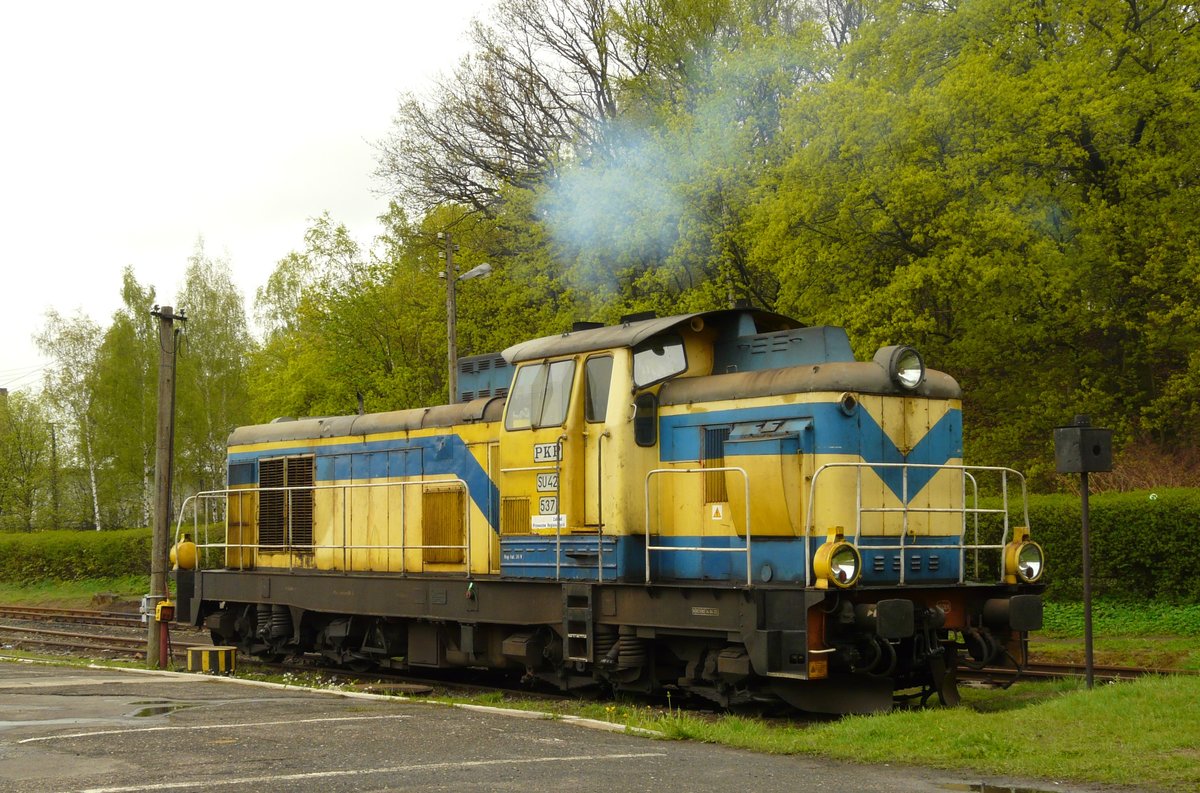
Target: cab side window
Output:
[(597, 373), (540, 395), (657, 359)]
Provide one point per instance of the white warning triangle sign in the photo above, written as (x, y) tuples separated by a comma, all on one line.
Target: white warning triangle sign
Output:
[(718, 512)]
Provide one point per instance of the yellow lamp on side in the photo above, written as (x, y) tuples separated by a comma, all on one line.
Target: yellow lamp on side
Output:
[(837, 562), (1024, 560), (183, 554)]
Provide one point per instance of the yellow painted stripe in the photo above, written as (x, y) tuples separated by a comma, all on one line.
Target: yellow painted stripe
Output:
[(211, 659)]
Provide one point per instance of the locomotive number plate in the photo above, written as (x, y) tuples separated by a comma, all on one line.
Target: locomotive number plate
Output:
[(547, 483), (548, 505), (547, 452)]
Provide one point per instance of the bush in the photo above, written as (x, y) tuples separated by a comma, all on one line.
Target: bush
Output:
[(1144, 546), (73, 555)]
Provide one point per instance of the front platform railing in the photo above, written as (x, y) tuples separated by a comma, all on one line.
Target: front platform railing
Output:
[(969, 512)]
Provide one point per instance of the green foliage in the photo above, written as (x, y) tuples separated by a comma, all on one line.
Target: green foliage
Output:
[(212, 393), (347, 323), (25, 461), (1010, 186), (69, 391), (125, 407), (73, 555)]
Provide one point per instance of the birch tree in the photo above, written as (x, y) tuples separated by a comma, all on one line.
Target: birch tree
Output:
[(71, 344)]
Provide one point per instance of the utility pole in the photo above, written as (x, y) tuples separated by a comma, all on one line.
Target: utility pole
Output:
[(165, 436), (451, 318)]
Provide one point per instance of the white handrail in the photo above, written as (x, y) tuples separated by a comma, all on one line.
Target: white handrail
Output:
[(290, 548), (969, 472), (701, 549)]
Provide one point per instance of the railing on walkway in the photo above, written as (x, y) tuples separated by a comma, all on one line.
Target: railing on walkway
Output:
[(969, 511), (702, 549), (247, 498)]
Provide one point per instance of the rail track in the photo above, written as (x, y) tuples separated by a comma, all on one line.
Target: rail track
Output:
[(1060, 671), (81, 616), (25, 627)]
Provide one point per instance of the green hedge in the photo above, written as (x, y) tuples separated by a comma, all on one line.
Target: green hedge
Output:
[(1144, 546), (73, 555)]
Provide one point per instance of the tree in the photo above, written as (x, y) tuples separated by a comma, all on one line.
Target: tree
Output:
[(70, 386), (212, 394), (658, 222), (24, 459), (535, 91), (126, 373)]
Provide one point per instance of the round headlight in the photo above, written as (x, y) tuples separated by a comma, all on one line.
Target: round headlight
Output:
[(839, 563), (908, 369), (1030, 562), (903, 365)]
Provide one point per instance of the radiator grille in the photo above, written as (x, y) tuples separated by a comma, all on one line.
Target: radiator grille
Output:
[(514, 515), (300, 474), (272, 504), (442, 522), (279, 510), (714, 457)]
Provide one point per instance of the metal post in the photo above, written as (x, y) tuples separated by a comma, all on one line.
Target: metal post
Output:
[(162, 478), (1087, 585)]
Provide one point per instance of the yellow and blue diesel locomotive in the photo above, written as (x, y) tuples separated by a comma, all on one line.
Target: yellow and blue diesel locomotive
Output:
[(725, 503)]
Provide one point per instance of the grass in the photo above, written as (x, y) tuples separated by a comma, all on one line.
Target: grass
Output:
[(1144, 733), (1117, 618), (75, 594)]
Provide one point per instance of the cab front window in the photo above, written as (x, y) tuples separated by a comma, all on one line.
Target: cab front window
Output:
[(540, 395)]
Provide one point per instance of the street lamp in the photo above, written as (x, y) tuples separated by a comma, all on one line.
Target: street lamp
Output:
[(451, 276)]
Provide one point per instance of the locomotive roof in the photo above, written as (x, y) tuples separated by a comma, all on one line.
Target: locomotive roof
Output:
[(629, 334)]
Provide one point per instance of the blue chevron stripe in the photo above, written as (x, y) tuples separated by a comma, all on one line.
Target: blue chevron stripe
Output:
[(438, 455), (830, 431)]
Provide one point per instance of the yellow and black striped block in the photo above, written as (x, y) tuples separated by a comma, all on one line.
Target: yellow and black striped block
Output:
[(212, 660)]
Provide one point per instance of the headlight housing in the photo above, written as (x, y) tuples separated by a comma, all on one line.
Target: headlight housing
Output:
[(903, 365), (1024, 560), (837, 562)]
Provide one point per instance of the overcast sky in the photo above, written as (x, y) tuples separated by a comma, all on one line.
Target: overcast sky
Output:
[(128, 130)]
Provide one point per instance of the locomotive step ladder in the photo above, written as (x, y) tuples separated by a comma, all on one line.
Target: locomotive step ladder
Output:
[(577, 622)]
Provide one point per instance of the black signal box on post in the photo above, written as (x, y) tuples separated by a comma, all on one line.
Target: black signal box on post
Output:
[(1082, 448)]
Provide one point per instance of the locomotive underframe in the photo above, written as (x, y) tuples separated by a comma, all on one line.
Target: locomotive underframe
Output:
[(729, 644)]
